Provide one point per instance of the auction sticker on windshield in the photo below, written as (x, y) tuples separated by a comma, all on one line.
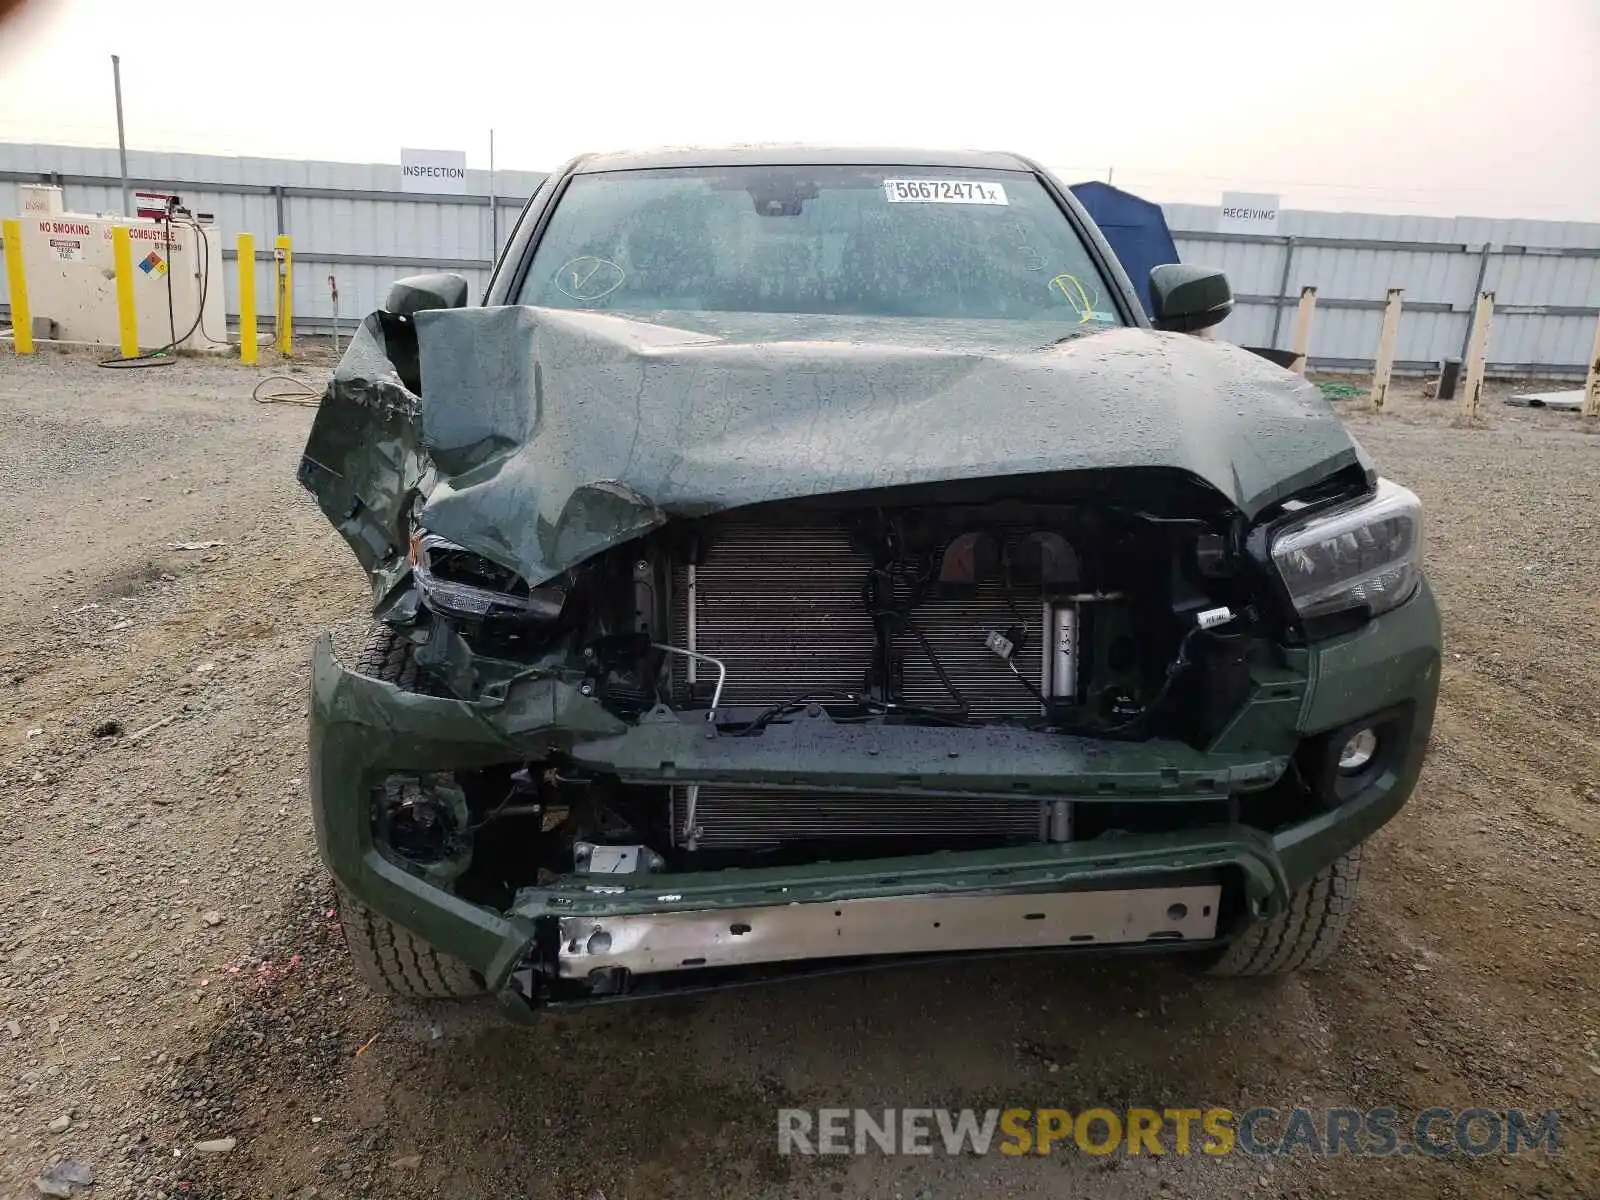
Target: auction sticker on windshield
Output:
[(943, 191)]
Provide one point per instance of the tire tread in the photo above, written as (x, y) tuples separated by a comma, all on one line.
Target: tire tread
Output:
[(1306, 934), (391, 959)]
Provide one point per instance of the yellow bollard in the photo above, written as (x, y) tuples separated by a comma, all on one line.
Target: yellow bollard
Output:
[(284, 256), (127, 320), (17, 281), (248, 346)]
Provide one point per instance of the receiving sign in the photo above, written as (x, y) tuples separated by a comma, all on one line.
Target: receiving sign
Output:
[(439, 172), (1249, 212)]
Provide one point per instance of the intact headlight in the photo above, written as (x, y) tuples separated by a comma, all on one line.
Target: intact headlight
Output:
[(1364, 555), (460, 583)]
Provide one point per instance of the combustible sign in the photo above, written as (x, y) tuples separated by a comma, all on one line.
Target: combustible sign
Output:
[(67, 249), (441, 172), (1249, 212)]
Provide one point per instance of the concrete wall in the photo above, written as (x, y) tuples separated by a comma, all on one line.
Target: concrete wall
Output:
[(351, 221)]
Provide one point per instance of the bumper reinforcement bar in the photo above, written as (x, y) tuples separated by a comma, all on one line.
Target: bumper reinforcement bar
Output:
[(654, 943)]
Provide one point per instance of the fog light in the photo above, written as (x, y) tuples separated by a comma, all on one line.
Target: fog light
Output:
[(1357, 754)]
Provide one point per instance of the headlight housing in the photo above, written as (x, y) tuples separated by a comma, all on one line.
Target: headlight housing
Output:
[(460, 583), (1366, 555)]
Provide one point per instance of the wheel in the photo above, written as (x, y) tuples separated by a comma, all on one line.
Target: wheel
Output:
[(1303, 936), (387, 656), (390, 958), (395, 963)]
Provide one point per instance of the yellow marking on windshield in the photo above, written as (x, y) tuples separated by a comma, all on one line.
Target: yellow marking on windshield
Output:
[(1071, 289)]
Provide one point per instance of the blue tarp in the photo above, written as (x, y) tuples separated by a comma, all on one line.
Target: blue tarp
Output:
[(1136, 229)]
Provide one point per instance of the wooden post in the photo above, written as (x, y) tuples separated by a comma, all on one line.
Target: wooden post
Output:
[(1591, 386), (1477, 355), (1386, 339), (1302, 327), (249, 347)]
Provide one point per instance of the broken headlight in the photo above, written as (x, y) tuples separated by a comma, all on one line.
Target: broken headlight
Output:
[(460, 583), (1363, 555)]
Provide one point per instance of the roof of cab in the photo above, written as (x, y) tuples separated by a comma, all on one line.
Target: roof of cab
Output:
[(787, 156)]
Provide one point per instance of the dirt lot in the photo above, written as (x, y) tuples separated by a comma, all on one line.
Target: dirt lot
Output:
[(169, 973)]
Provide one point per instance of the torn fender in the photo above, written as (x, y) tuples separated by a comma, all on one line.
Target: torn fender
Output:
[(364, 461), (544, 436)]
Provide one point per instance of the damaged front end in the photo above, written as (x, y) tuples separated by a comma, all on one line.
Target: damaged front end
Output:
[(692, 677)]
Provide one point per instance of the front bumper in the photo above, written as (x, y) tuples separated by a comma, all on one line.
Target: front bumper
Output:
[(715, 939), (363, 729)]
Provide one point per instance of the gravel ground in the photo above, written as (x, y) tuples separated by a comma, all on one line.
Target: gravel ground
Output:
[(177, 1013)]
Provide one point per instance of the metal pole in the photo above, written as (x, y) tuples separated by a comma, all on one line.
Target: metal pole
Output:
[(494, 213), (1477, 290), (122, 141), (333, 290), (1283, 291)]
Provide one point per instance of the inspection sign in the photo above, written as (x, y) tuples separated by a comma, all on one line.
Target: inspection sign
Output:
[(438, 172)]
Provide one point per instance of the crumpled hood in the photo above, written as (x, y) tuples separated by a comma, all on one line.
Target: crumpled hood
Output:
[(547, 436)]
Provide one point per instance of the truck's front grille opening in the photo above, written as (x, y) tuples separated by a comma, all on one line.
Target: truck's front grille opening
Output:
[(728, 817), (784, 606), (1096, 621), (844, 825)]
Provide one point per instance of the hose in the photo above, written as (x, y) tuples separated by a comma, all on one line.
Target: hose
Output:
[(205, 280), (151, 358), (159, 357), (300, 394)]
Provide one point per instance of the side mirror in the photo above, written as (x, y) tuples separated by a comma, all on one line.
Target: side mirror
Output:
[(418, 293), (1188, 298)]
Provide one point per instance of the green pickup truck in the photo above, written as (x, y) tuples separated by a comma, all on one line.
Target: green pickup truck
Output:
[(805, 560)]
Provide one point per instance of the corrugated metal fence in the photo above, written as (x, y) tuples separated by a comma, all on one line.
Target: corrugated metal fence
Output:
[(1545, 276), (352, 222)]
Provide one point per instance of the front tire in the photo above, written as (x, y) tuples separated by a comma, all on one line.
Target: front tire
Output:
[(392, 960), (1305, 935)]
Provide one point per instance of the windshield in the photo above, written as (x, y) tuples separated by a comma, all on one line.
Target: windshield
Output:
[(847, 241)]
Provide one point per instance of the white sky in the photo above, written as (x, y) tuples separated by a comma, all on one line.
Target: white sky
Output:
[(1385, 105)]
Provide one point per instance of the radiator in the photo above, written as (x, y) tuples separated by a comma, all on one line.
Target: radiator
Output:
[(782, 607)]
